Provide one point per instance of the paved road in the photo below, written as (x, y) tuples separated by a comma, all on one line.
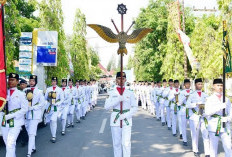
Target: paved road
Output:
[(91, 139)]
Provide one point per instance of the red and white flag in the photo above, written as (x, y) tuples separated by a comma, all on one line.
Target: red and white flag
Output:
[(3, 89)]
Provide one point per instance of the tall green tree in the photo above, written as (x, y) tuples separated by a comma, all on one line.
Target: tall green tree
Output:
[(78, 51), (52, 19), (149, 53)]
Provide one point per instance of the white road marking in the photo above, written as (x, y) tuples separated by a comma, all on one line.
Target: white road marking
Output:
[(103, 126)]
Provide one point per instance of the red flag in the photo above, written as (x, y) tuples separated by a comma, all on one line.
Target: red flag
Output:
[(3, 89)]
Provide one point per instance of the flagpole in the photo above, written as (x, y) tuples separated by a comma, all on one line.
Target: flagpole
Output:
[(224, 73)]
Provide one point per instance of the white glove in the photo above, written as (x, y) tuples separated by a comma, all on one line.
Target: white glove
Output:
[(225, 119), (122, 117), (30, 108), (223, 105), (8, 116)]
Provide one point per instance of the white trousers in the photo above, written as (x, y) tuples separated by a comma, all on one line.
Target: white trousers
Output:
[(78, 112), (83, 110), (121, 141), (157, 110), (168, 116), (173, 120), (179, 122), (71, 114), (31, 126), (226, 142), (162, 110), (195, 127), (184, 127), (10, 136)]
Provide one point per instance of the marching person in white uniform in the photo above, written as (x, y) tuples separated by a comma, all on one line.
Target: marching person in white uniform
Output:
[(161, 101), (121, 136), (13, 116), (173, 97), (157, 95), (64, 107), (71, 92), (214, 110), (167, 104), (77, 101), (55, 97), (197, 120), (33, 116), (184, 113)]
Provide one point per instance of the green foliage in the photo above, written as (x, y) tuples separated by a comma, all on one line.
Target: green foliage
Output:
[(51, 16), (150, 51), (206, 40), (18, 18)]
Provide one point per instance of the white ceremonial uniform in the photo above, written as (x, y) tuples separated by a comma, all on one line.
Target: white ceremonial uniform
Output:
[(71, 92), (165, 95), (184, 94), (78, 102), (161, 100), (64, 108), (197, 121), (143, 97), (214, 110), (121, 136), (82, 98), (17, 107), (147, 97), (33, 116), (153, 99), (52, 115), (174, 109)]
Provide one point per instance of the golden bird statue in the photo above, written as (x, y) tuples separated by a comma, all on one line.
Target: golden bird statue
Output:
[(122, 38)]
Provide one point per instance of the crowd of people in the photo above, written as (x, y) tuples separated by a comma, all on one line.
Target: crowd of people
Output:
[(25, 105), (176, 108)]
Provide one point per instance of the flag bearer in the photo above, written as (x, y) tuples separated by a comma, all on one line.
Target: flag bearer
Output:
[(121, 136), (214, 109), (13, 116)]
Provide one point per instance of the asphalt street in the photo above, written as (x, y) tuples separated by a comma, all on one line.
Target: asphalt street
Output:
[(92, 138)]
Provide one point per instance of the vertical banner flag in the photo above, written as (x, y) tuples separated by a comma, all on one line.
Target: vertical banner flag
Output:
[(2, 62), (226, 49)]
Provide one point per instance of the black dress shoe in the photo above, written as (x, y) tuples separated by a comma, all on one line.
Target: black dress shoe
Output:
[(72, 125), (185, 144), (83, 118), (196, 154), (68, 125), (33, 151), (53, 140), (181, 137), (207, 156), (169, 128), (78, 121), (62, 133), (163, 124), (174, 135)]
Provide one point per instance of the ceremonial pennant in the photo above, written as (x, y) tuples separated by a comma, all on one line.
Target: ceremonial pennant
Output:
[(226, 49), (2, 62)]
